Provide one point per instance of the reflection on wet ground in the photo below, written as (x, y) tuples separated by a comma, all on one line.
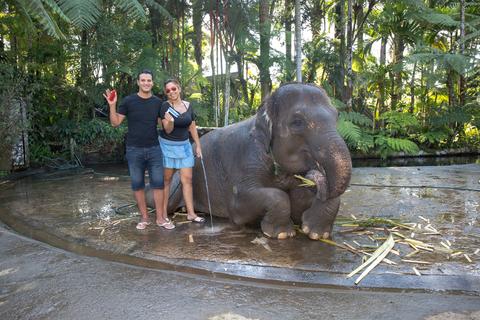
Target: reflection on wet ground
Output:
[(93, 207)]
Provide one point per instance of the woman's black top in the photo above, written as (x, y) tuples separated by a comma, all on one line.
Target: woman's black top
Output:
[(181, 123)]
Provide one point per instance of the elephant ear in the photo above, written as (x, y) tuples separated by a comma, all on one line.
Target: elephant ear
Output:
[(263, 124)]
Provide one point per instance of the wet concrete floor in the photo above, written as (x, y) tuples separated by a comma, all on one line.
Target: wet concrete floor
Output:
[(38, 281), (89, 211)]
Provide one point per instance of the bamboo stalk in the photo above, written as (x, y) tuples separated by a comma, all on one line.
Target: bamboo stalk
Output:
[(412, 253), (416, 261), (389, 245), (333, 243), (416, 271), (379, 254)]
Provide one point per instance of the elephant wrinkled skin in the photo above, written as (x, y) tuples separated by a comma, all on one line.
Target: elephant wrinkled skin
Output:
[(251, 165)]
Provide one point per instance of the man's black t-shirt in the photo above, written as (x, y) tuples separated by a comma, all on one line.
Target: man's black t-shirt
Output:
[(142, 115), (180, 125)]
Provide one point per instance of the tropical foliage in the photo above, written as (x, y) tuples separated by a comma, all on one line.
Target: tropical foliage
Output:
[(403, 74)]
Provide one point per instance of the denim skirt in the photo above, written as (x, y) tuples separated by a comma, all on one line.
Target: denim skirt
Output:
[(177, 154)]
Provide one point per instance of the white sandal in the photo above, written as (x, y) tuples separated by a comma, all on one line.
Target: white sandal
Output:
[(142, 225), (168, 224)]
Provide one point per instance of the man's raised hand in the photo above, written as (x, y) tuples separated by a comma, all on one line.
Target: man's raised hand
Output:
[(111, 96)]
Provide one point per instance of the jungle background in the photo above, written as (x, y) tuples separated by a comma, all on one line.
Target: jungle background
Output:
[(403, 74)]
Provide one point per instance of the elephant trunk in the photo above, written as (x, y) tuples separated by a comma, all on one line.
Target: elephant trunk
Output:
[(333, 158)]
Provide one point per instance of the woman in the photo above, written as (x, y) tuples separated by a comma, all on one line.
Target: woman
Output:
[(178, 122)]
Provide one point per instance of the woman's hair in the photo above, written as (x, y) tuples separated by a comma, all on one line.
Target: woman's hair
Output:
[(172, 81)]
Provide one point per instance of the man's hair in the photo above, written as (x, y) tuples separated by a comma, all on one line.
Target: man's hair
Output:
[(145, 71)]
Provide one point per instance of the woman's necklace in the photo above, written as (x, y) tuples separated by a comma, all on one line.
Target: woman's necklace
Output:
[(180, 106)]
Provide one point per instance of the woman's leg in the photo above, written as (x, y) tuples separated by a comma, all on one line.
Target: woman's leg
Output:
[(187, 190), (167, 180)]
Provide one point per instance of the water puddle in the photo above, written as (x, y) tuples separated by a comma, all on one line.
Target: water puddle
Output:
[(94, 208)]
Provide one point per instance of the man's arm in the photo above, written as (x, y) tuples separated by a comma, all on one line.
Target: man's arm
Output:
[(115, 118)]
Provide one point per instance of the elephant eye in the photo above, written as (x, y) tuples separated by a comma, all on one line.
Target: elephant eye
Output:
[(297, 124)]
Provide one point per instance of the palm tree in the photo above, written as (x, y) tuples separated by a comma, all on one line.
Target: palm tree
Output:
[(82, 14)]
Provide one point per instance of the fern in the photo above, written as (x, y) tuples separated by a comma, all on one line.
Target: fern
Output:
[(349, 131), (133, 7), (35, 9), (160, 9), (438, 19), (387, 145), (399, 122), (458, 62), (433, 137), (85, 13), (455, 116), (356, 118), (338, 104), (82, 13), (56, 9), (404, 145), (366, 142)]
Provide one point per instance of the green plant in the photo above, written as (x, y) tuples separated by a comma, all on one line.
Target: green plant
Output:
[(387, 145), (98, 135), (12, 106), (355, 129), (399, 123)]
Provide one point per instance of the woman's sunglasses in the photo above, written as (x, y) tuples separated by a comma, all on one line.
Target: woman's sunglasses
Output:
[(173, 89)]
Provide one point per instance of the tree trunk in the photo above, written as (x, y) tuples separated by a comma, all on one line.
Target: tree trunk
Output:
[(381, 84), (219, 66), (213, 32), (359, 20), (399, 48), (14, 50), (155, 26), (317, 14), (359, 102), (264, 63), (462, 83), (84, 59), (452, 101), (451, 88), (226, 93), (197, 16), (349, 53), (288, 40), (412, 90), (3, 57), (424, 90), (338, 75), (241, 76), (298, 40), (183, 52)]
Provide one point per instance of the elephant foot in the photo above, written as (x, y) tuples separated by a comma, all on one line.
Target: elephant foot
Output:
[(279, 232), (317, 235), (317, 221)]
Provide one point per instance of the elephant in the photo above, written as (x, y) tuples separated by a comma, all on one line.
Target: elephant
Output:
[(251, 166)]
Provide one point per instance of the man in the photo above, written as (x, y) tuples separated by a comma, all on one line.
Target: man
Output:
[(143, 150)]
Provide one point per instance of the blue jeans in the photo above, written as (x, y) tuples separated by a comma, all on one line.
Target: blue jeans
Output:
[(141, 159)]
